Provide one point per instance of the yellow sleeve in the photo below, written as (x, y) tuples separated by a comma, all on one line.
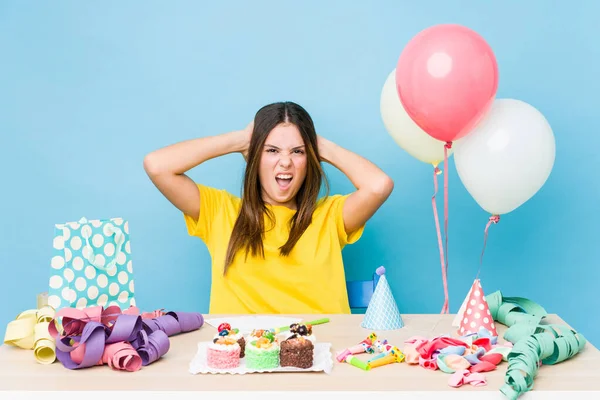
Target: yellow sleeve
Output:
[(214, 203), (338, 213)]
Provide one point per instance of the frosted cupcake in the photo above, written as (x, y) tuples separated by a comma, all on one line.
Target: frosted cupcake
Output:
[(262, 350), (224, 330), (297, 350), (223, 353)]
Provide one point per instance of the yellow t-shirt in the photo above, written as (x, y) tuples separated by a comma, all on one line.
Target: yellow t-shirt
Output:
[(310, 280)]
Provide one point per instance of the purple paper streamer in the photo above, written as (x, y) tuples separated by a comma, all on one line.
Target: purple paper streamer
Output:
[(149, 337)]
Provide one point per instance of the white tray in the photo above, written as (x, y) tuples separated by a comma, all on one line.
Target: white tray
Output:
[(323, 362)]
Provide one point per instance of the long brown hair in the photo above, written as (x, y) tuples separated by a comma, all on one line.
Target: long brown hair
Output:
[(249, 228)]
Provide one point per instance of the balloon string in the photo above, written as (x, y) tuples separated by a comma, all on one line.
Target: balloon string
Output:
[(436, 172), (494, 219), (447, 146)]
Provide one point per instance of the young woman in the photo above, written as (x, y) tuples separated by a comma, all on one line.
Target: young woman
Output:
[(278, 248)]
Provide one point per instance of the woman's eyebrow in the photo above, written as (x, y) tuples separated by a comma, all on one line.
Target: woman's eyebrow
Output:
[(277, 148)]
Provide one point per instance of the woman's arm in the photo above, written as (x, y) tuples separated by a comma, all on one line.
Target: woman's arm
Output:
[(166, 167), (372, 184)]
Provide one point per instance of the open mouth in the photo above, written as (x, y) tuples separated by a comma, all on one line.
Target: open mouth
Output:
[(284, 180)]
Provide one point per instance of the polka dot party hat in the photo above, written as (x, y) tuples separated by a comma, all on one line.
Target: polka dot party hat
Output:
[(476, 314)]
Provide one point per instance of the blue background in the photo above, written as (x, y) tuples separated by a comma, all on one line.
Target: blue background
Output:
[(87, 90)]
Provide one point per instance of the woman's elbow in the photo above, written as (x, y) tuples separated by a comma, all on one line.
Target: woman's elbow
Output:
[(151, 165), (383, 187)]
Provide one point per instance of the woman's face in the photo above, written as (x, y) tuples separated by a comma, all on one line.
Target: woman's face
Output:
[(282, 167)]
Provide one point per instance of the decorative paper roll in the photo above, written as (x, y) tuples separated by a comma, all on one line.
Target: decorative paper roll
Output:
[(30, 331), (42, 300), (122, 340)]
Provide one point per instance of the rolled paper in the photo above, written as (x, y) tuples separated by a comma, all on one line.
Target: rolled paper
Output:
[(44, 349), (122, 356), (125, 329), (93, 337), (153, 314), (189, 321), (512, 310), (42, 300), (352, 360), (123, 340), (167, 323), (118, 356), (30, 331), (157, 346), (19, 332), (534, 344)]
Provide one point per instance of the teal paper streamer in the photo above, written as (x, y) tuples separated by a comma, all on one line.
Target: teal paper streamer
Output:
[(534, 344)]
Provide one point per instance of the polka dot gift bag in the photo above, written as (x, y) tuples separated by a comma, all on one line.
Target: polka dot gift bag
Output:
[(91, 265)]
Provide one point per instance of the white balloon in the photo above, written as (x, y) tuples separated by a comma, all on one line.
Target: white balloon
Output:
[(405, 132), (507, 157)]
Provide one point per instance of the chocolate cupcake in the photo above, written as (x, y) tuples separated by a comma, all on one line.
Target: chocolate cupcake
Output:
[(296, 351)]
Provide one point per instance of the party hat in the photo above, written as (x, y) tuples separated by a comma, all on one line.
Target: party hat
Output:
[(459, 316), (477, 314), (382, 313)]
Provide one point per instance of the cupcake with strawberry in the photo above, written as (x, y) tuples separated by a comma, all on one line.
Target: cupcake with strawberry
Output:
[(262, 350), (225, 331)]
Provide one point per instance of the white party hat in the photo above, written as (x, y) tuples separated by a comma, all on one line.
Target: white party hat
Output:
[(461, 310), (382, 313)]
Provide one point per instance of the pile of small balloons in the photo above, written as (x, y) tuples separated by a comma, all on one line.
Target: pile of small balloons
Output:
[(442, 93)]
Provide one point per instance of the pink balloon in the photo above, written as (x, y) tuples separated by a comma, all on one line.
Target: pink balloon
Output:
[(447, 78)]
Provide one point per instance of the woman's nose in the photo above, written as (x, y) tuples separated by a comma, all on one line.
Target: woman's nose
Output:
[(285, 161)]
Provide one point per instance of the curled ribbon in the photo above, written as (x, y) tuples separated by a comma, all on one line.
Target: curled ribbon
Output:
[(29, 331), (535, 344), (122, 340)]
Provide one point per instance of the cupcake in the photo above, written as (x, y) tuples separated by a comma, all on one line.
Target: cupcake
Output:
[(262, 350), (298, 349), (223, 353), (224, 330)]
